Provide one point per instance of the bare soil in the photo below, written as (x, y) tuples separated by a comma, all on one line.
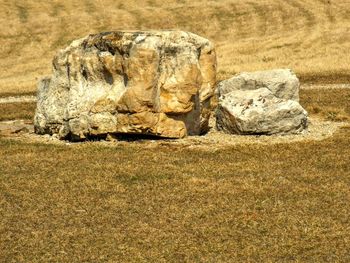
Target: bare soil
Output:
[(318, 130)]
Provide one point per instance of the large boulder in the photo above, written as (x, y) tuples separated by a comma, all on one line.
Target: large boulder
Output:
[(153, 82), (283, 83), (259, 112)]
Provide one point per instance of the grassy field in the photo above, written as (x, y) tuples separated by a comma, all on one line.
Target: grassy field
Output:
[(13, 111), (133, 203), (328, 104), (88, 202), (309, 36)]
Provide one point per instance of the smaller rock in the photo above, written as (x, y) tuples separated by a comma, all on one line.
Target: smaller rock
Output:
[(283, 83), (259, 112)]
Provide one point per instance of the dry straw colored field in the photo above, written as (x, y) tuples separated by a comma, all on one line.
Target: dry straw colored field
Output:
[(280, 202), (310, 36), (135, 203), (86, 202)]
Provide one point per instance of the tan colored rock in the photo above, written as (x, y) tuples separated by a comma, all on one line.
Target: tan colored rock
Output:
[(153, 82), (283, 83)]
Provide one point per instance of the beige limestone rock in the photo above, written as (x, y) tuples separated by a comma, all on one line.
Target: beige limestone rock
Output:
[(153, 82), (259, 112), (283, 83)]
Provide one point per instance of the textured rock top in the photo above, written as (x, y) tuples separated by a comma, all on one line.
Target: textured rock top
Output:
[(283, 83)]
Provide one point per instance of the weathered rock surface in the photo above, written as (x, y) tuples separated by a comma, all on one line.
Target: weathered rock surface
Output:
[(283, 83), (259, 112), (154, 82)]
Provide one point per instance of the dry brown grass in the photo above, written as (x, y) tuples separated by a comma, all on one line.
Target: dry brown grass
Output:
[(135, 203), (329, 104), (311, 36), (263, 203), (14, 111), (89, 203)]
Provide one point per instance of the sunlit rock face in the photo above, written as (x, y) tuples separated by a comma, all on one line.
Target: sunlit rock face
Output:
[(153, 82), (261, 103), (283, 83)]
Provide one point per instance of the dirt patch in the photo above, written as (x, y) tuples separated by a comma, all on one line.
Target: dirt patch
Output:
[(318, 130), (16, 128)]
